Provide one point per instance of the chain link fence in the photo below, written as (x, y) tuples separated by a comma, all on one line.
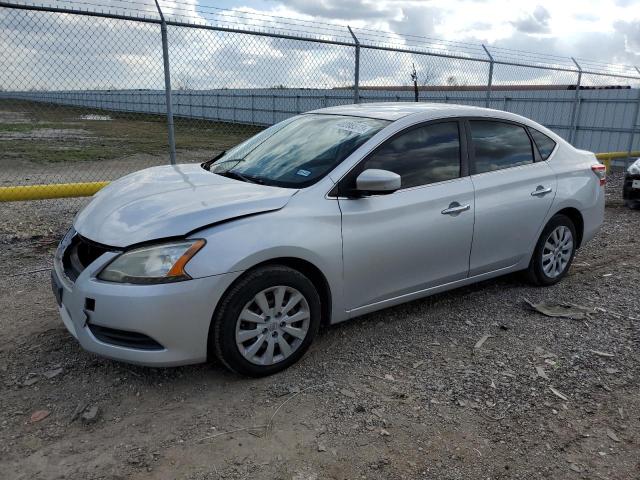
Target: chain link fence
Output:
[(87, 96)]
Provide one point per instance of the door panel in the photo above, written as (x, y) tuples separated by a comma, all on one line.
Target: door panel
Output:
[(401, 243), (508, 216)]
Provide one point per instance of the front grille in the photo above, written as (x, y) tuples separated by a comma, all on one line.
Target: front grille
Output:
[(79, 255), (124, 338)]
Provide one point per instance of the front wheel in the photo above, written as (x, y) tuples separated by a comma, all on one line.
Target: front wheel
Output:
[(554, 252), (266, 321)]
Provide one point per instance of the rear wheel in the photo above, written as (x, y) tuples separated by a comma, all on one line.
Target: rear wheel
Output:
[(266, 321), (554, 252)]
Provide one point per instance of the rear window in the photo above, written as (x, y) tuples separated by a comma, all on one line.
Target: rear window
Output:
[(545, 144)]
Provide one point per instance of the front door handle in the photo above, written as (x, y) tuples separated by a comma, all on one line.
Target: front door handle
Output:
[(455, 208), (540, 191)]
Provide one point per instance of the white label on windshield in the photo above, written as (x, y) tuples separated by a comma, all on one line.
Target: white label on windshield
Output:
[(353, 126)]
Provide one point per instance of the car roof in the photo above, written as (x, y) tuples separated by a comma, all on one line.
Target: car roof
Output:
[(425, 111), (396, 110)]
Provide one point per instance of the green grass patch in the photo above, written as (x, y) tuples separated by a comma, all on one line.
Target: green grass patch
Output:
[(21, 127), (124, 135)]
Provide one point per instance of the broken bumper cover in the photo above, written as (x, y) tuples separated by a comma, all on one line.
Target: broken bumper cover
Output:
[(152, 325)]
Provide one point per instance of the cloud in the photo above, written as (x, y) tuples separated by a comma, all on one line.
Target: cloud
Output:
[(344, 9), (47, 51), (586, 17), (50, 51), (536, 22), (631, 32), (480, 26), (417, 20)]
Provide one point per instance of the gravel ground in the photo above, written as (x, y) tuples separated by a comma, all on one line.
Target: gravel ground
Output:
[(402, 393)]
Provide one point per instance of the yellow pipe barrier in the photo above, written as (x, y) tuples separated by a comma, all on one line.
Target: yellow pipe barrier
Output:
[(55, 190), (608, 156)]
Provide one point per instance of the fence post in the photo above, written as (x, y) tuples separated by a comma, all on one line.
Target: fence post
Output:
[(575, 111), (490, 80), (356, 80), (634, 125), (167, 86)]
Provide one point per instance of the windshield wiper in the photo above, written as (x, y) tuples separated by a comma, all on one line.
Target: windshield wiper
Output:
[(206, 165), (214, 161), (217, 164), (238, 176)]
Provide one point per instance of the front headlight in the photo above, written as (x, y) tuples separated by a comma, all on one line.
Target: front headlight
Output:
[(634, 169), (153, 264)]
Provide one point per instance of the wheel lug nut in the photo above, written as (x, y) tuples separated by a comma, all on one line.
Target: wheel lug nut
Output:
[(264, 330), (274, 334), (282, 324)]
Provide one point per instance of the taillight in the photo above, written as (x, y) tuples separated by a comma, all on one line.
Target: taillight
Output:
[(601, 172)]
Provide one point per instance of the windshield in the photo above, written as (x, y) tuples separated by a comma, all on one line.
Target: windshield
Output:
[(297, 152)]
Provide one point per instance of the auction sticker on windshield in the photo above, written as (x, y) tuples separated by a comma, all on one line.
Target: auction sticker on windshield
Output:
[(352, 126)]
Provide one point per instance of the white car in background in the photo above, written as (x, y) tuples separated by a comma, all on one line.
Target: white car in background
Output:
[(631, 187), (318, 219)]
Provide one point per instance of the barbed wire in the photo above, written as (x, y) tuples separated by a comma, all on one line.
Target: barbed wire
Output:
[(93, 7)]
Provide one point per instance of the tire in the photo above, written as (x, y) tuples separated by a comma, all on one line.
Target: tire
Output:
[(283, 341), (549, 271)]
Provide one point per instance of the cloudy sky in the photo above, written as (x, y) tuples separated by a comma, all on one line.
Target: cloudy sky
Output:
[(43, 49), (602, 30)]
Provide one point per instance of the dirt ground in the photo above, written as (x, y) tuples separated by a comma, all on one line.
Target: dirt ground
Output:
[(399, 394)]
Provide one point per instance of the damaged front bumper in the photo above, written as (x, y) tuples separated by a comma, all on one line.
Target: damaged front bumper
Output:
[(152, 325)]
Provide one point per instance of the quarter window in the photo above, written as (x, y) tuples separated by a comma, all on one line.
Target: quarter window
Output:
[(499, 145), (544, 143), (422, 155)]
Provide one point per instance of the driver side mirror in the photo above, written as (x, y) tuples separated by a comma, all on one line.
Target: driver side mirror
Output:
[(377, 182)]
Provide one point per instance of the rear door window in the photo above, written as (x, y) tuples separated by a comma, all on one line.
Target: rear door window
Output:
[(498, 145)]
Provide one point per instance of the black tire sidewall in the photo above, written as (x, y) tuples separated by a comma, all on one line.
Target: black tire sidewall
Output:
[(536, 261), (222, 338)]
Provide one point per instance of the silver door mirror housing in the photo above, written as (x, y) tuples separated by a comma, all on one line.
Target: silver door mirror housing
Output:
[(377, 182)]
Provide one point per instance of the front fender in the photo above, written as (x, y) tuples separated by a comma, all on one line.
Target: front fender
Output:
[(241, 244)]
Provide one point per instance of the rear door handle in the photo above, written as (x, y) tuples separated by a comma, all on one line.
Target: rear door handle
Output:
[(455, 208), (540, 191)]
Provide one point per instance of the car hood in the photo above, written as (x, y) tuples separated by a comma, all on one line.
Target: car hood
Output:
[(171, 201)]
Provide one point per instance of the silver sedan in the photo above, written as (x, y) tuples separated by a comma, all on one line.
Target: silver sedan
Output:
[(318, 219)]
